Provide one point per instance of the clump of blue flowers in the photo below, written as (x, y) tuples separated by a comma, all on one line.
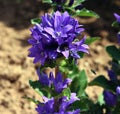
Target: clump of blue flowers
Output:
[(55, 37), (58, 41), (54, 81), (57, 106)]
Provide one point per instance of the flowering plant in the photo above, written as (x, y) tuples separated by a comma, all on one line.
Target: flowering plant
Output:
[(58, 41)]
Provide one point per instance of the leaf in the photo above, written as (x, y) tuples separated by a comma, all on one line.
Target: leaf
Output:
[(82, 104), (31, 99), (113, 52), (115, 24), (41, 90), (117, 109), (79, 83), (85, 12), (66, 92), (103, 82), (91, 40), (35, 21), (47, 1), (101, 99), (77, 2)]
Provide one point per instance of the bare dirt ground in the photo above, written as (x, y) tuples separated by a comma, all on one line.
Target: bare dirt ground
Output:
[(16, 68)]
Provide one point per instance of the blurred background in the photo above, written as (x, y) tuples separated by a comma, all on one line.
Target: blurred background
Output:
[(16, 68)]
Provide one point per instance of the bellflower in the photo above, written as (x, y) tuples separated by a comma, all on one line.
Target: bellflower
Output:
[(110, 98), (44, 79), (57, 106), (118, 36), (55, 37), (117, 17), (112, 75), (58, 82), (118, 90)]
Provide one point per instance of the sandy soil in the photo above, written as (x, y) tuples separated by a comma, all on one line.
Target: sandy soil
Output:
[(16, 68)]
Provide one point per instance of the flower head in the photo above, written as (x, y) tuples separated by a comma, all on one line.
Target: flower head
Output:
[(117, 17), (44, 79), (55, 37), (118, 90), (110, 98), (118, 36), (112, 75), (57, 106), (58, 82)]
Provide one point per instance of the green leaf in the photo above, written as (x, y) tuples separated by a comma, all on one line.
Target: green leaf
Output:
[(103, 82), (47, 1), (66, 92), (41, 90), (115, 24), (35, 21), (91, 40), (113, 52), (85, 12), (117, 109), (77, 2), (79, 83), (31, 99), (101, 99), (82, 104)]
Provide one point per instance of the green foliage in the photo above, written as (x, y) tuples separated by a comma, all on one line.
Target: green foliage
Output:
[(76, 2), (31, 100), (35, 21), (86, 13), (113, 52), (115, 24), (40, 89), (93, 108), (66, 92), (81, 104), (101, 99), (69, 67), (103, 82), (79, 83), (116, 109), (91, 40), (47, 1)]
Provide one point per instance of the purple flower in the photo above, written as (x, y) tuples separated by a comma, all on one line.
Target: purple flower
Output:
[(55, 37), (117, 17), (110, 98), (46, 107), (44, 79), (57, 106), (112, 75), (118, 36), (58, 82), (118, 90)]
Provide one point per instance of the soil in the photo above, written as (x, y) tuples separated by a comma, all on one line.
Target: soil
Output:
[(16, 68)]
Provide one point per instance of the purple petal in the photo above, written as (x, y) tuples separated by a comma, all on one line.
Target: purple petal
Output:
[(118, 90), (66, 54)]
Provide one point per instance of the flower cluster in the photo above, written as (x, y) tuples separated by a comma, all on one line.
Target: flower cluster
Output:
[(110, 97), (55, 37), (118, 21), (57, 106), (58, 83)]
